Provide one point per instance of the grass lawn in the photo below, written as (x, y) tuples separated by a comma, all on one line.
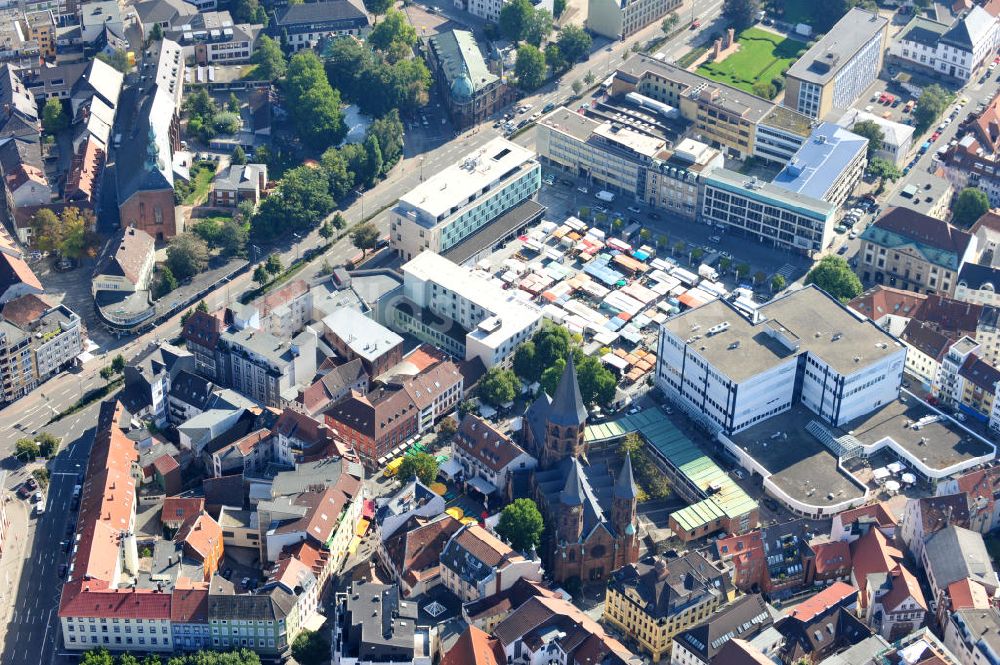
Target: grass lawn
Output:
[(761, 57), (200, 185)]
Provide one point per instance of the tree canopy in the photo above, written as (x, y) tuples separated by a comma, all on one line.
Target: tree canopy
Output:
[(870, 130), (740, 13), (310, 648), (514, 19), (298, 203), (530, 67), (833, 275), (970, 204), (364, 236), (54, 118), (420, 464), (574, 43), (498, 386), (931, 104), (187, 255), (314, 105), (394, 30), (521, 525), (269, 59), (375, 84)]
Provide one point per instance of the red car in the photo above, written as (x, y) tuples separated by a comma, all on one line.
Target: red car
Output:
[(935, 136), (695, 24)]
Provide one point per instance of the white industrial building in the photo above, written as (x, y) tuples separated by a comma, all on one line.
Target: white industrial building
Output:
[(804, 346), (463, 311), (458, 201)]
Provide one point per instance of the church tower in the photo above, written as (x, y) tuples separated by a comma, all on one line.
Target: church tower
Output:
[(569, 528), (565, 421), (624, 501)]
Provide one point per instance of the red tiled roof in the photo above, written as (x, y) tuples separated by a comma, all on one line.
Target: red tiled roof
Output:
[(486, 444), (189, 605), (14, 270), (179, 509), (483, 545), (24, 311), (831, 556), (829, 597), (882, 300), (83, 173), (164, 464), (904, 585), (474, 647), (876, 511), (85, 599), (871, 553), (201, 534)]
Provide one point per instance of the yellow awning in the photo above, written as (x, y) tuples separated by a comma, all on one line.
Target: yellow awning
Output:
[(362, 528), (439, 488), (353, 547), (456, 512)]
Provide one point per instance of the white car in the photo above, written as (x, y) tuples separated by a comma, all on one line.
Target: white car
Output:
[(634, 209), (582, 190)]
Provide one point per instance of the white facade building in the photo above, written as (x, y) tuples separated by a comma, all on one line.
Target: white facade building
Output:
[(458, 201), (803, 347), (958, 51)]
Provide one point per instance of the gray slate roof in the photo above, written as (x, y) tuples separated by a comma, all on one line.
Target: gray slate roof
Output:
[(954, 553)]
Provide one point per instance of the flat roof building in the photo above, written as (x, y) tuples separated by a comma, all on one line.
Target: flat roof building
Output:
[(827, 166), (837, 70), (462, 311), (463, 198), (897, 138), (767, 212), (803, 347)]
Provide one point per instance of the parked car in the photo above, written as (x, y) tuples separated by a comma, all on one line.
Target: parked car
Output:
[(634, 209), (695, 24)]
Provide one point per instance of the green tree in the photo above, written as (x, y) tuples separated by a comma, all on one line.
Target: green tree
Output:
[(679, 246), (970, 205), (315, 107), (742, 270), (248, 11), (97, 657), (118, 364), (764, 89), (78, 238), (117, 59), (538, 27), (156, 33), (558, 7), (498, 386), (338, 220), (551, 375), (239, 157), (576, 86), (233, 105), (378, 7), (234, 236), (326, 230), (300, 200), (48, 445), (724, 264), (165, 281), (340, 177), (833, 275), (269, 59), (554, 58), (388, 130), (54, 118), (364, 237), (273, 264), (696, 255), (597, 382), (526, 364), (423, 466), (777, 283), (552, 342), (395, 29), (740, 13), (870, 130), (574, 43), (202, 307), (662, 240), (26, 450), (932, 102), (514, 17), (310, 648), (227, 123), (187, 255), (530, 67), (521, 525), (885, 171), (261, 275), (373, 153), (669, 23), (46, 230)]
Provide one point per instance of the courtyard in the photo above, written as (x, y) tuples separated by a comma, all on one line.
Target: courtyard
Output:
[(762, 57)]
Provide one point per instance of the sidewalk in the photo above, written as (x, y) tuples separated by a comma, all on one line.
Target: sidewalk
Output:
[(12, 558)]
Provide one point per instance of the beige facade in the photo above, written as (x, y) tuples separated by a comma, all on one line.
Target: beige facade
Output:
[(620, 19)]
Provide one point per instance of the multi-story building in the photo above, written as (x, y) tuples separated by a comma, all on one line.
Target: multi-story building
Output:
[(925, 516), (765, 212), (979, 284), (653, 600), (837, 70), (455, 203), (897, 138), (353, 335), (737, 372), (487, 456), (238, 183), (213, 38), (908, 250), (265, 368), (148, 377), (747, 618), (621, 159), (41, 27), (954, 554), (372, 624), (973, 635), (307, 24), (828, 165), (957, 51), (982, 487), (739, 123), (472, 93), (462, 311), (476, 564), (620, 19), (126, 263)]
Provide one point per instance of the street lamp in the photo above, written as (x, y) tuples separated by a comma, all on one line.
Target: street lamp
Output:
[(421, 169), (298, 238)]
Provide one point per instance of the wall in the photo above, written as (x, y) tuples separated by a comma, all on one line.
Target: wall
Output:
[(152, 212)]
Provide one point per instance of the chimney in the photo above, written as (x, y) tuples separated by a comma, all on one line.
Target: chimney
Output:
[(261, 180)]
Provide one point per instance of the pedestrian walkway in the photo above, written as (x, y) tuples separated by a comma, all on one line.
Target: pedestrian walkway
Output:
[(12, 558)]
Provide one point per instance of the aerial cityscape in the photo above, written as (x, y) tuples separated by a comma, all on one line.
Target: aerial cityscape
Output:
[(500, 332)]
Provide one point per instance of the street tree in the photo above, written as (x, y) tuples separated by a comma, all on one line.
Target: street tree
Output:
[(498, 386), (118, 364), (420, 465), (365, 237), (26, 450), (187, 255), (310, 648), (834, 275), (742, 270), (261, 275), (269, 58), (970, 205), (530, 67), (526, 364), (576, 86), (521, 525), (669, 23), (558, 7), (378, 7), (514, 17), (538, 27), (932, 102), (885, 171), (870, 130), (777, 283), (273, 264), (740, 13), (574, 43), (48, 444), (395, 29)]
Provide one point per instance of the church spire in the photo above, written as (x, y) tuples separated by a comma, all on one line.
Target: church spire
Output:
[(625, 484), (572, 493), (567, 407)]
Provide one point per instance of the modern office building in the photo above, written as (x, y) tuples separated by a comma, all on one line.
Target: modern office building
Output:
[(623, 160), (739, 123), (909, 250), (767, 213), (957, 51), (803, 347), (462, 311), (835, 72), (620, 19), (827, 166), (460, 200)]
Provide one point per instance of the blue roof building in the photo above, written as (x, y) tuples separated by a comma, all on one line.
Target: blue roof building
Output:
[(827, 166)]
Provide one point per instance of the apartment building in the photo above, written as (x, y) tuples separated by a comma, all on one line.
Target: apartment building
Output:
[(265, 368), (954, 554), (747, 618), (476, 564), (238, 183), (621, 159), (765, 212), (737, 372), (910, 250), (41, 27), (126, 263), (897, 138), (307, 24), (737, 122), (837, 70), (620, 19), (213, 38), (958, 50), (486, 456), (653, 600), (973, 635), (355, 336), (828, 165), (372, 624), (463, 198), (462, 311)]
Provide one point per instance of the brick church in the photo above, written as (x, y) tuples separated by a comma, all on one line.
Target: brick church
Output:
[(590, 515)]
